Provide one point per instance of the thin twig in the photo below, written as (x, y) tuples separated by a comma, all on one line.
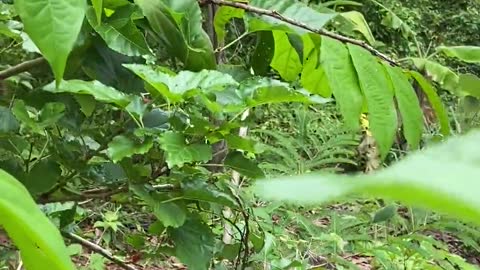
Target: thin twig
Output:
[(101, 194), (98, 249), (276, 15), (22, 67)]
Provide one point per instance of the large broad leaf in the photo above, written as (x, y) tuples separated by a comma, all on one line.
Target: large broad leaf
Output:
[(42, 176), (194, 244), (39, 241), (178, 152), (469, 54), (469, 84), (435, 101), (285, 59), (96, 89), (247, 167), (443, 75), (172, 87), (359, 24), (170, 213), (343, 80), (121, 147), (295, 10), (122, 37), (443, 178), (313, 76), (200, 190), (223, 15), (178, 24), (53, 25), (408, 105), (381, 108)]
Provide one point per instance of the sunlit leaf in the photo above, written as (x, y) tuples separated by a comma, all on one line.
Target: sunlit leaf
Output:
[(53, 25), (96, 89), (285, 59), (469, 54)]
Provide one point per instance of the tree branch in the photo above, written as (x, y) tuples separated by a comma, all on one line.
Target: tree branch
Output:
[(98, 249), (22, 67), (274, 14)]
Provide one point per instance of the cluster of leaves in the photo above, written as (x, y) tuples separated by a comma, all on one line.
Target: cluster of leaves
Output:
[(120, 118)]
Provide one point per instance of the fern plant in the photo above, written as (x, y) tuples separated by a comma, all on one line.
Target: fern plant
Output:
[(307, 140)]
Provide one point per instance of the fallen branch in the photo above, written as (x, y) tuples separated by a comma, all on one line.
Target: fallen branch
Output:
[(100, 194), (98, 249), (22, 67), (274, 14)]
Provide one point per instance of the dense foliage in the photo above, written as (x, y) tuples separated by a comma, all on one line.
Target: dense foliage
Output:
[(162, 134)]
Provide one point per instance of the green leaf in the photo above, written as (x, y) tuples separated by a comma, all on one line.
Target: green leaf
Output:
[(194, 244), (124, 38), (236, 142), (385, 214), (42, 177), (443, 75), (200, 190), (170, 213), (8, 123), (96, 89), (263, 54), (469, 84), (408, 105), (53, 25), (442, 178), (469, 54), (98, 7), (178, 24), (222, 16), (172, 87), (359, 24), (313, 76), (295, 10), (87, 104), (247, 167), (51, 113), (39, 241), (285, 59), (379, 97), (435, 101), (121, 147), (179, 152), (342, 79)]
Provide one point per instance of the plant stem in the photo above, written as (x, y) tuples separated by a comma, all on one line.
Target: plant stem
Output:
[(22, 67)]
